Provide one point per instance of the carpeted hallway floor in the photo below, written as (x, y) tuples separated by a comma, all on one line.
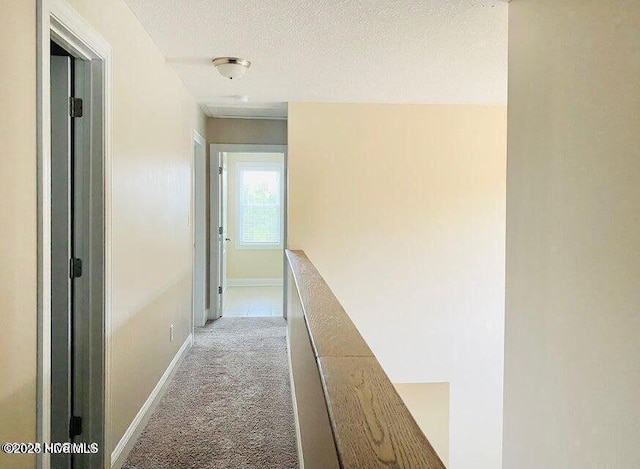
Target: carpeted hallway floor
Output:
[(228, 405)]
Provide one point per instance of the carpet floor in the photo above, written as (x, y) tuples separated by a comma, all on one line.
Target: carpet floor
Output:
[(228, 405)]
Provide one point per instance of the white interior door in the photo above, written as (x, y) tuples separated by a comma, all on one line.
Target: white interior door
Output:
[(215, 310), (199, 235), (222, 230), (217, 216)]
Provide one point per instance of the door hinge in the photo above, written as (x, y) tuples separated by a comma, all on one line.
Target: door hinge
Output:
[(75, 107), (219, 230), (75, 267), (219, 169), (75, 426), (219, 290)]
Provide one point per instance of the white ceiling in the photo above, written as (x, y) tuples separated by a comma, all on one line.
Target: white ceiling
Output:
[(410, 51)]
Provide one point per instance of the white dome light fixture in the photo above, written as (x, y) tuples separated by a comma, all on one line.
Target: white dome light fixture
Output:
[(231, 67)]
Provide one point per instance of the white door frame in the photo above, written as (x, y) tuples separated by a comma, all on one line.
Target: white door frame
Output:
[(59, 21), (215, 150), (198, 140)]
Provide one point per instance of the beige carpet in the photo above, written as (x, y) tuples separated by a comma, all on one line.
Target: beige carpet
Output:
[(228, 405)]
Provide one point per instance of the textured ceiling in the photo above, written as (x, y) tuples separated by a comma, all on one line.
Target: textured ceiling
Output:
[(418, 51)]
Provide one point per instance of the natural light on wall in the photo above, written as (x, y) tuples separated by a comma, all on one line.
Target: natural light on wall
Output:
[(259, 189)]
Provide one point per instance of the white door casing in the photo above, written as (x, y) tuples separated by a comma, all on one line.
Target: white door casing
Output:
[(224, 237), (58, 21), (199, 231)]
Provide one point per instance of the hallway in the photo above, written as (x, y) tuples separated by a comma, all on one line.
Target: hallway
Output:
[(253, 302), (228, 405)]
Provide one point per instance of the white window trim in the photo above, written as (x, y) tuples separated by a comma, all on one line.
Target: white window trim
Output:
[(241, 166)]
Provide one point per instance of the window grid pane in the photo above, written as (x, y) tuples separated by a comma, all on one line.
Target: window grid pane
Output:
[(260, 206)]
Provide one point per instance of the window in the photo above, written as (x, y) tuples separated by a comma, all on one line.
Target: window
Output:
[(259, 202)]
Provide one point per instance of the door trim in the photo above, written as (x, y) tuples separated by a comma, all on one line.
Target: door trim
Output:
[(57, 20), (199, 140), (215, 149)]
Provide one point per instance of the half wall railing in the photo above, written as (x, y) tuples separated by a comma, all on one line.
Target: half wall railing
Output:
[(348, 414)]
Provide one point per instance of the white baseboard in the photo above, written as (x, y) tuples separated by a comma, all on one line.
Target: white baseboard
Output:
[(128, 440), (254, 282)]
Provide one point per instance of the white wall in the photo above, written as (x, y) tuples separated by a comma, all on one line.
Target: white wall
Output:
[(572, 352), (402, 210), (429, 406), (153, 121)]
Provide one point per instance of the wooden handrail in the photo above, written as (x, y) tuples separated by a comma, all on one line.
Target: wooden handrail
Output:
[(370, 425)]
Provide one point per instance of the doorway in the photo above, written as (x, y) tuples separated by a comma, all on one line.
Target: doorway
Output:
[(76, 262), (74, 73), (248, 226), (199, 231)]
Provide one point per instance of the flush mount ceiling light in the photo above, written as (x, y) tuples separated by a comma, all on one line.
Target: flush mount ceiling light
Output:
[(231, 67)]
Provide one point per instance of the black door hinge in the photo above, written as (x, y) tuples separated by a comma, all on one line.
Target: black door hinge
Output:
[(75, 267), (75, 426), (75, 107), (219, 230), (219, 290), (219, 169)]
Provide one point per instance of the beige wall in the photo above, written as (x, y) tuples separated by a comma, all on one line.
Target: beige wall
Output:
[(402, 210), (248, 131), (429, 406), (248, 263), (572, 369), (18, 293), (153, 122)]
